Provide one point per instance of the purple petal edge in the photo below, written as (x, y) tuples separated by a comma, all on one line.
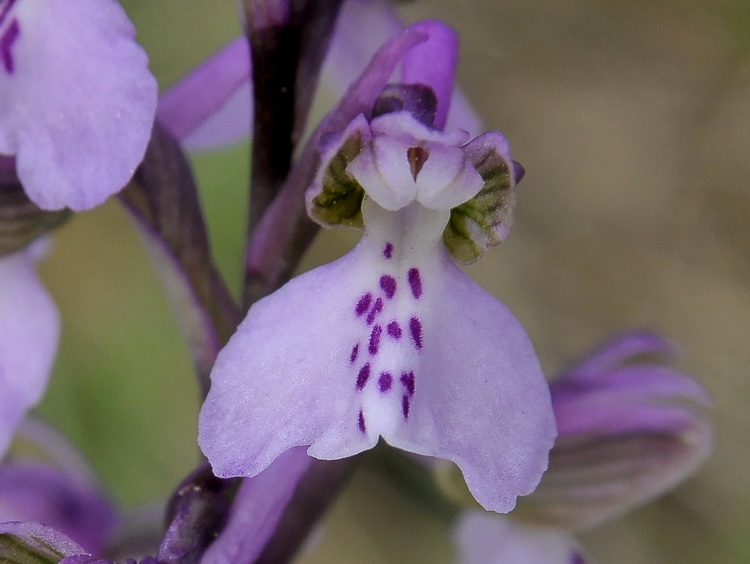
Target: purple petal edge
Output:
[(434, 63), (258, 507), (200, 96)]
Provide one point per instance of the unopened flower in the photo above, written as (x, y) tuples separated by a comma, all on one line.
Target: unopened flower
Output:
[(77, 99), (629, 430)]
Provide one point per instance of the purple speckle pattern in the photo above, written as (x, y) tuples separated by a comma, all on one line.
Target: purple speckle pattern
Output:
[(394, 330), (363, 304), (415, 328), (377, 307), (368, 307), (415, 282), (388, 251), (405, 406), (388, 285), (407, 381), (363, 376), (385, 381), (374, 345), (8, 35)]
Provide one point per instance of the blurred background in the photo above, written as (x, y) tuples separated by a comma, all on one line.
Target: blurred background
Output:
[(632, 119)]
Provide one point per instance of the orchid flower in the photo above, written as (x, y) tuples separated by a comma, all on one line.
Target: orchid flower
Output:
[(393, 339), (77, 98), (629, 431), (78, 104)]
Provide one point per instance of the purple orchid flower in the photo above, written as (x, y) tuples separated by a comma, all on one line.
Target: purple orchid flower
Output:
[(393, 340), (78, 100), (629, 431)]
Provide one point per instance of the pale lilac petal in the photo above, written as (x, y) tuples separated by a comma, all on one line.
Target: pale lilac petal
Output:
[(434, 63), (257, 509), (383, 169), (78, 100), (391, 340), (281, 382), (212, 106), (480, 397), (626, 435), (448, 178), (33, 492), (483, 538), (29, 328)]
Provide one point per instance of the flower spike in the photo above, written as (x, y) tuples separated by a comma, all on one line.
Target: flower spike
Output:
[(391, 340)]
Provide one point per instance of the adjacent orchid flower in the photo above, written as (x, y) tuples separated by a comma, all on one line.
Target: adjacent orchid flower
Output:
[(77, 99), (78, 103), (630, 430), (393, 339)]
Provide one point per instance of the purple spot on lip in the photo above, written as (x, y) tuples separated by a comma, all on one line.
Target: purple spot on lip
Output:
[(407, 379), (415, 282), (355, 354), (385, 381), (6, 42), (374, 345), (415, 328), (376, 309), (363, 304), (363, 376), (388, 284), (394, 330), (388, 251), (405, 405), (361, 421)]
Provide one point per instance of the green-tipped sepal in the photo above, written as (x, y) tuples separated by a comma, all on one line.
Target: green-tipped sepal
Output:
[(335, 198), (486, 219)]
